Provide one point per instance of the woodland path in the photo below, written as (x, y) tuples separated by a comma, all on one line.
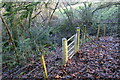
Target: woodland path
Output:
[(99, 60)]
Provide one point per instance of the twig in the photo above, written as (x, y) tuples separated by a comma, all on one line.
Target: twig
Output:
[(31, 71), (36, 14), (20, 69), (53, 11)]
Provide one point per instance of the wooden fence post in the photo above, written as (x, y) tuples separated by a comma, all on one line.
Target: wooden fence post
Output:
[(65, 50), (98, 32), (44, 66), (84, 35), (77, 39), (104, 31)]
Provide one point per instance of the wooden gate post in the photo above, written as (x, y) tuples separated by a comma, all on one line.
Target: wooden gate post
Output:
[(77, 39), (65, 50)]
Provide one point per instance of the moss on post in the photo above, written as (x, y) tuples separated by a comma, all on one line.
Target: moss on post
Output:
[(65, 50)]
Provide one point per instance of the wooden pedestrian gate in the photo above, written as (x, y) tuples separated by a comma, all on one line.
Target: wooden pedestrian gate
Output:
[(70, 49)]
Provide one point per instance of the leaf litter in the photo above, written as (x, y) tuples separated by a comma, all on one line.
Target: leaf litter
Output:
[(99, 60)]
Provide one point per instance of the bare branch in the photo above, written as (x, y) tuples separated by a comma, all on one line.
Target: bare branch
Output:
[(105, 5)]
